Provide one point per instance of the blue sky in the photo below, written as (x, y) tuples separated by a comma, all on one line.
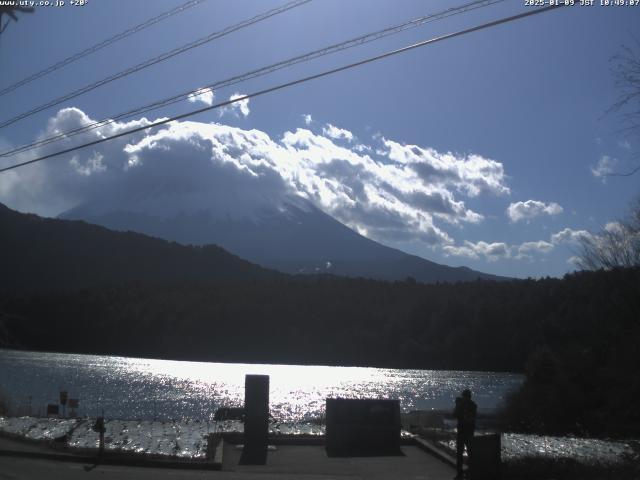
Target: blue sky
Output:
[(528, 99)]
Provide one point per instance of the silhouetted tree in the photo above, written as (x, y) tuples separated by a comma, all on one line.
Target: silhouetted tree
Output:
[(10, 11), (625, 68), (616, 245)]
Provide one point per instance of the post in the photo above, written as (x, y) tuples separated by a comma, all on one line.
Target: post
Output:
[(484, 458), (100, 428), (64, 395), (256, 422)]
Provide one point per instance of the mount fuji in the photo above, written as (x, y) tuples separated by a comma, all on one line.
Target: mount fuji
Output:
[(285, 233)]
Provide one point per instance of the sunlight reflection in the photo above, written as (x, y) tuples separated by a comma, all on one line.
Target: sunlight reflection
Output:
[(133, 388)]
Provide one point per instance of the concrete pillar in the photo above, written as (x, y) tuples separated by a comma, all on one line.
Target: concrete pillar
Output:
[(256, 420)]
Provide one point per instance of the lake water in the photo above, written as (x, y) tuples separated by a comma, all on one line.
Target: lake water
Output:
[(134, 388), (164, 407)]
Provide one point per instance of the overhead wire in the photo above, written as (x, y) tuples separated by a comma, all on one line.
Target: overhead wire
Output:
[(353, 42), (160, 58), (100, 45), (265, 91)]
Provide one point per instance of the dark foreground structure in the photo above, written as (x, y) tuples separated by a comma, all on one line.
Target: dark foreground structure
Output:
[(363, 427), (256, 420)]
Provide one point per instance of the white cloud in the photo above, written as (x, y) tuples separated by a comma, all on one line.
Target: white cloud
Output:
[(391, 197), (238, 108), (570, 236), (92, 165), (489, 251), (361, 148), (605, 166), (468, 251), (307, 119), (204, 95), (532, 208), (526, 249), (50, 187), (354, 186), (470, 175), (540, 246), (336, 133), (498, 250)]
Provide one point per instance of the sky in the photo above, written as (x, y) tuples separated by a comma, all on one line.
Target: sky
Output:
[(487, 150)]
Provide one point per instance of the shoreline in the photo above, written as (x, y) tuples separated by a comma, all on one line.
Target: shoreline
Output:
[(589, 460), (189, 440)]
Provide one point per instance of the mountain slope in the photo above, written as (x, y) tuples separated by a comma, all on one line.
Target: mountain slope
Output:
[(40, 252), (292, 236)]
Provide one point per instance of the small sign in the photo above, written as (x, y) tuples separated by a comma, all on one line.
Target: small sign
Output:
[(63, 397), (52, 409)]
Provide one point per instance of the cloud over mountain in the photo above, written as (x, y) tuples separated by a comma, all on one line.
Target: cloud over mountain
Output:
[(386, 190)]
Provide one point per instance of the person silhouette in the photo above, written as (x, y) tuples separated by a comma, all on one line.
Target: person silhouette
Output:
[(465, 413)]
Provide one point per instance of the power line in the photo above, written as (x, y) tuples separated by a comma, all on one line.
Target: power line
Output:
[(101, 45), (160, 58), (263, 71), (292, 83), (353, 42)]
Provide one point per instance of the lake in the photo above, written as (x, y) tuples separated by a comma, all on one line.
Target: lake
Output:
[(135, 388), (165, 407)]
